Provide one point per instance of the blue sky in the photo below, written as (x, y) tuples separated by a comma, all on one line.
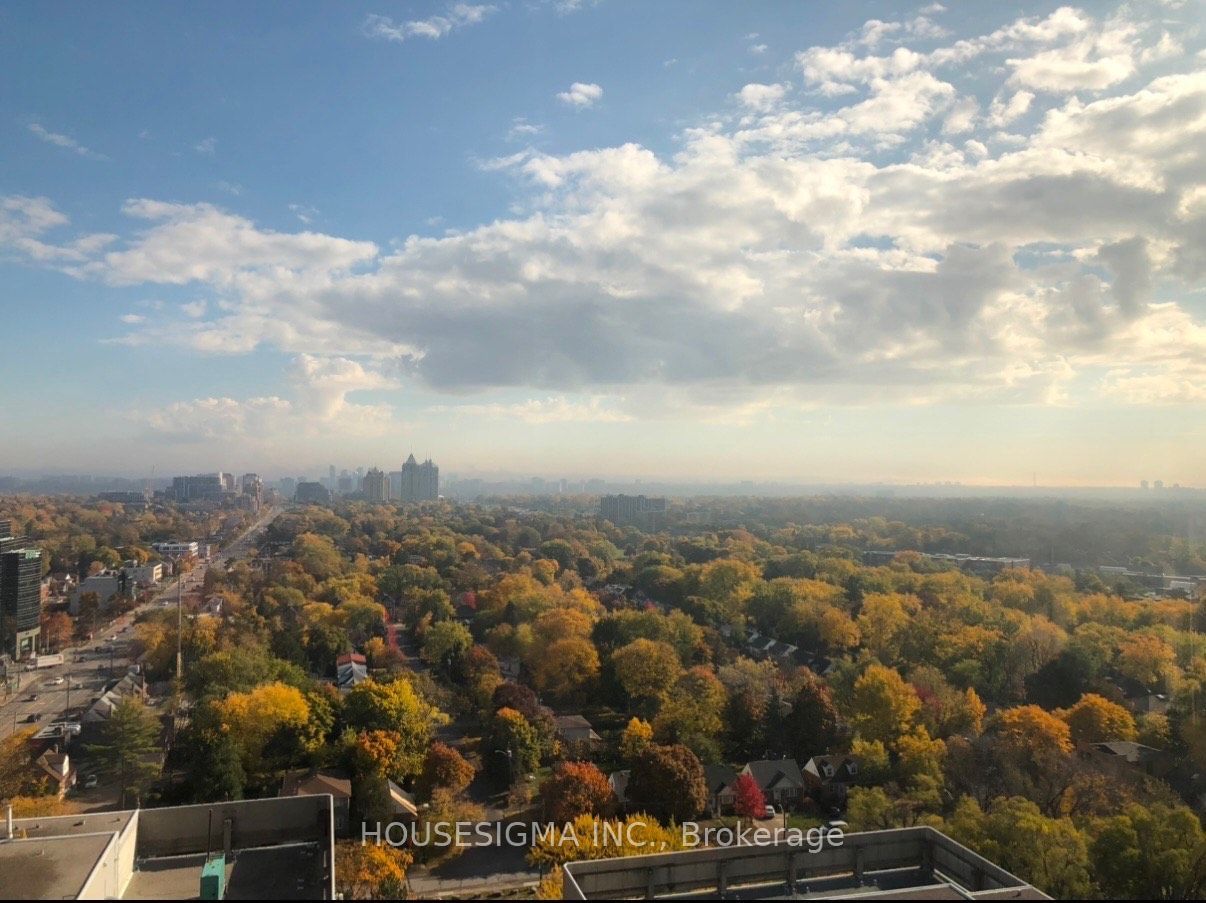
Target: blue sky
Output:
[(792, 240)]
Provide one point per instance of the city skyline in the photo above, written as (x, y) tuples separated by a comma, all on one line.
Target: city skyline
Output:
[(804, 243)]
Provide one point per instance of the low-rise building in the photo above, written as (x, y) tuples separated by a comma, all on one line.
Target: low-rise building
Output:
[(829, 778), (918, 863), (351, 669), (268, 849), (108, 586), (780, 781), (721, 797), (338, 785), (58, 769), (576, 734)]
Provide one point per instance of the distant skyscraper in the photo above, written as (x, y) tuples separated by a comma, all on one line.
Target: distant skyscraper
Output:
[(312, 492), (376, 485), (420, 482)]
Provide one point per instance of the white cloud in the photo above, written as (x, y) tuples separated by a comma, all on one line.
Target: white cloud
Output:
[(459, 15), (319, 405), (762, 97), (304, 212), (522, 130), (581, 95), (555, 409), (889, 243), (206, 146), (65, 141)]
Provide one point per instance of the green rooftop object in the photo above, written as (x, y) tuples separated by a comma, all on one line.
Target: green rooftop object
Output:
[(213, 879)]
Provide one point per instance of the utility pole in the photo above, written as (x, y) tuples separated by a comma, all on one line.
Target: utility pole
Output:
[(180, 629)]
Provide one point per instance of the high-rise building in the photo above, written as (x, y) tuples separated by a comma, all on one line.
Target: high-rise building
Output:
[(20, 594), (420, 482), (207, 487), (636, 510), (312, 492), (376, 485), (253, 490)]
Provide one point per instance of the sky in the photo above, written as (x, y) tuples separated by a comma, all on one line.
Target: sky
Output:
[(795, 241)]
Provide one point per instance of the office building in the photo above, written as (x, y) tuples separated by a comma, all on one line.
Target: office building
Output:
[(901, 864), (208, 487), (634, 511), (420, 482), (267, 849), (252, 485), (376, 486), (20, 594)]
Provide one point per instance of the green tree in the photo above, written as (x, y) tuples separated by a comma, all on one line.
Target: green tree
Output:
[(1150, 853), (395, 707), (128, 747), (884, 706), (668, 782)]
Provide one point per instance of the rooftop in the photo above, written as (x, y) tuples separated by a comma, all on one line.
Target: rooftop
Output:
[(901, 864), (275, 849)]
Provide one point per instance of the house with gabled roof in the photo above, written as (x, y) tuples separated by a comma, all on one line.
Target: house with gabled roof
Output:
[(780, 780), (830, 777)]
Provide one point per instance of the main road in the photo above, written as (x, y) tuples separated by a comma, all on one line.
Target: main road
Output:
[(36, 698)]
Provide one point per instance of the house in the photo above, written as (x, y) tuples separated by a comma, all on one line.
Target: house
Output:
[(337, 783), (1139, 698), (129, 686), (576, 734), (57, 766), (721, 798), (618, 781), (779, 780), (829, 778), (1125, 758), (351, 669)]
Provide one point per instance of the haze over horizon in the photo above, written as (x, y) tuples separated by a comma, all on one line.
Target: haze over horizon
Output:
[(792, 243)]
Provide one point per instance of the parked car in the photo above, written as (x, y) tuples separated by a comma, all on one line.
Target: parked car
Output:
[(90, 781), (58, 681), (768, 811), (32, 697), (32, 718)]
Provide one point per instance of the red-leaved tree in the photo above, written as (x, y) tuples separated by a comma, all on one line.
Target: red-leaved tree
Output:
[(749, 801)]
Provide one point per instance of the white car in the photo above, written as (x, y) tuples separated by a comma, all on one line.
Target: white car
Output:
[(768, 811), (58, 681)]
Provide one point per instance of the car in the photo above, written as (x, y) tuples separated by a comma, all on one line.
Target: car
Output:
[(91, 781), (32, 697), (113, 638), (59, 681), (837, 823), (768, 811), (32, 718)]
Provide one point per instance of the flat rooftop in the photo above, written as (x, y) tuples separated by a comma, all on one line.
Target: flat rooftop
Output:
[(291, 872), (277, 849), (49, 868), (917, 863), (69, 825)]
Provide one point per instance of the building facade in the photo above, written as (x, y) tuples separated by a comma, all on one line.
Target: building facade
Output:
[(420, 482), (376, 486), (20, 594), (634, 510)]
